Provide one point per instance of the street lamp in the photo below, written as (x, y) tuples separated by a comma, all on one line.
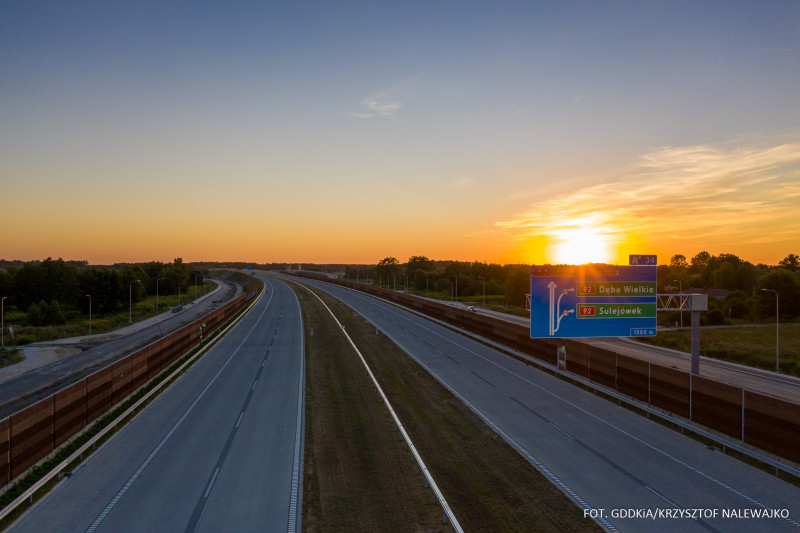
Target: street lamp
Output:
[(451, 289), (159, 279), (777, 338), (680, 285), (90, 313), (130, 300), (484, 290), (3, 322), (456, 288)]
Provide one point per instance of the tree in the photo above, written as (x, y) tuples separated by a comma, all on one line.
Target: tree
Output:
[(419, 262), (176, 274), (387, 268), (791, 262), (699, 262), (787, 287), (678, 261), (518, 284)]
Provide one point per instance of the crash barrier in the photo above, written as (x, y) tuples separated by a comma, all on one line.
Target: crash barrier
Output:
[(31, 434), (769, 423)]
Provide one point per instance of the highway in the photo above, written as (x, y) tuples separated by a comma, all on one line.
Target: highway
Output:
[(20, 389), (632, 473), (754, 379), (220, 450)]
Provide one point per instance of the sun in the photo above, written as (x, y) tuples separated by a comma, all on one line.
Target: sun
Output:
[(577, 246)]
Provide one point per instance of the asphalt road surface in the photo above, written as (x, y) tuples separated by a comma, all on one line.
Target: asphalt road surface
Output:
[(754, 379), (221, 450), (630, 472), (19, 390)]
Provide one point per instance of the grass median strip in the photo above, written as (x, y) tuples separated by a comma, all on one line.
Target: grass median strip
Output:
[(489, 486), (357, 472)]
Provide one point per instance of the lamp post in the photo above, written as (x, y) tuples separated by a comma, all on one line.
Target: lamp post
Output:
[(195, 287), (455, 291), (159, 279), (130, 300), (3, 322), (426, 284), (680, 285), (777, 338), (484, 290), (451, 289), (90, 313)]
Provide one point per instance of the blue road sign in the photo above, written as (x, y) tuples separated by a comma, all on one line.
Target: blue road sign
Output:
[(593, 301)]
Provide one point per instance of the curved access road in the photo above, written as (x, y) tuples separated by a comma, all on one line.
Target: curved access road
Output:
[(629, 472), (220, 450), (18, 389)]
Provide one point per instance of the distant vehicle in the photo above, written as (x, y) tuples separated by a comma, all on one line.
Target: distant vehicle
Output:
[(473, 308)]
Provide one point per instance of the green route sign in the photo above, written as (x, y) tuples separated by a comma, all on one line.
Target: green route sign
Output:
[(593, 301)]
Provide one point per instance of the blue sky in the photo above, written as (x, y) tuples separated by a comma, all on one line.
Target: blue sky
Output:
[(345, 132)]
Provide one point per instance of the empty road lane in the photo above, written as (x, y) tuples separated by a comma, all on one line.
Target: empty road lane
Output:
[(628, 471), (220, 450)]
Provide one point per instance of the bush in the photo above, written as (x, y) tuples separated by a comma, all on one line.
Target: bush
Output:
[(715, 317), (34, 315), (739, 308)]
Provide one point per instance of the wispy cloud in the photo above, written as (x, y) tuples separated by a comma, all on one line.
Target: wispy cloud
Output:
[(461, 182), (377, 106), (714, 194)]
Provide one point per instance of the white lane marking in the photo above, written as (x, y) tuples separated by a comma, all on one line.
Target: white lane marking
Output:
[(509, 371), (161, 444), (211, 483), (294, 497)]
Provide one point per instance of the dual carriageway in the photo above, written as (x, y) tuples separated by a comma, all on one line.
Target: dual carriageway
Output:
[(221, 450)]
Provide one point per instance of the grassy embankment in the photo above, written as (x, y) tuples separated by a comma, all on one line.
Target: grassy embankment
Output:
[(101, 323), (359, 474), (746, 345)]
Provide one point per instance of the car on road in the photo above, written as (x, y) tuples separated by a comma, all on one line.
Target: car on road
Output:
[(473, 308)]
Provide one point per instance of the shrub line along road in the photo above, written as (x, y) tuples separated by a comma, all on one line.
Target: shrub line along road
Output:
[(608, 457), (210, 454), (218, 451)]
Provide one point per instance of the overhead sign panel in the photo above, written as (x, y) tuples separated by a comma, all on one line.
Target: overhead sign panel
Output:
[(642, 260), (593, 301)]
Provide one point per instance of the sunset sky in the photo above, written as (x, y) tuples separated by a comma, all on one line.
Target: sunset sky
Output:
[(345, 132)]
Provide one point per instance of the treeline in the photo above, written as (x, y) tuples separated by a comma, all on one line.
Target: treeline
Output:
[(740, 290), (49, 291), (734, 284)]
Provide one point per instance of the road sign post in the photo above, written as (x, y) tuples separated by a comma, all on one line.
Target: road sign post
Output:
[(593, 301)]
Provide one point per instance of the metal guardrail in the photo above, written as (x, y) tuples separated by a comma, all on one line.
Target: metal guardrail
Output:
[(666, 416), (28, 494), (632, 402), (448, 513)]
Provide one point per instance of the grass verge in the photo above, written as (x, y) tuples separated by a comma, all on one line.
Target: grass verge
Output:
[(489, 486), (357, 472), (746, 345), (10, 357)]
